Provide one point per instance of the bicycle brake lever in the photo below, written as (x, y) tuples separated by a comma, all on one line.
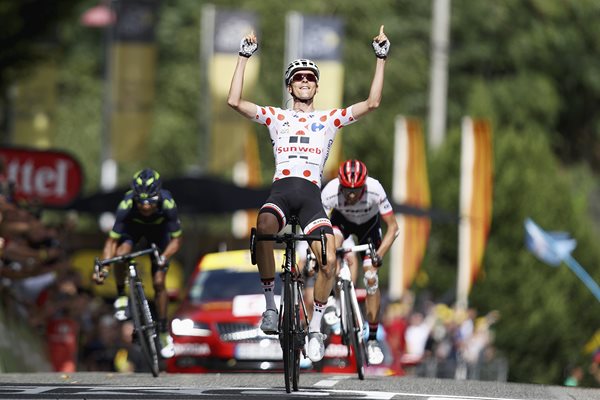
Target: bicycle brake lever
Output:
[(155, 253)]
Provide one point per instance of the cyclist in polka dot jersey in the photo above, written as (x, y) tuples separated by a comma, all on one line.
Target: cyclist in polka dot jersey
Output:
[(302, 138), (301, 141)]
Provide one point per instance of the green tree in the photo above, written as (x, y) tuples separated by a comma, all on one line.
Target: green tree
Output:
[(28, 36)]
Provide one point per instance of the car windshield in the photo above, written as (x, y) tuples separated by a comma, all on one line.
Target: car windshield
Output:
[(225, 284)]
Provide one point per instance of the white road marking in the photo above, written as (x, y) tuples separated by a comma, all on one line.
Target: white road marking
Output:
[(368, 395), (143, 391), (390, 395), (452, 397), (307, 393), (330, 382)]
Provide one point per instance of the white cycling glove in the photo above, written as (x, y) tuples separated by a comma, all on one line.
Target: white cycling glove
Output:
[(162, 261), (381, 48), (247, 48)]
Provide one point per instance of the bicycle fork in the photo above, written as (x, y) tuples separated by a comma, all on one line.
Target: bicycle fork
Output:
[(303, 329), (136, 284), (297, 298), (345, 283)]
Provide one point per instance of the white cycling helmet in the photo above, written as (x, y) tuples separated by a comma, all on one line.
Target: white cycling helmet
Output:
[(299, 65)]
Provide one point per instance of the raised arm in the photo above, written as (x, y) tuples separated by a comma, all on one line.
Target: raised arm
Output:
[(248, 46), (381, 46)]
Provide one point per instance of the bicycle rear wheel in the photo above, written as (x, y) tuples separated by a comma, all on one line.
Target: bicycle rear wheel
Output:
[(356, 340), (144, 326), (286, 336)]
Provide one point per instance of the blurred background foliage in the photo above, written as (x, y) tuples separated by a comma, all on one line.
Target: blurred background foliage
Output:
[(529, 66)]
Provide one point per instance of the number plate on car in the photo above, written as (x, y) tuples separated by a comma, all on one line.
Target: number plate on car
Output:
[(264, 350)]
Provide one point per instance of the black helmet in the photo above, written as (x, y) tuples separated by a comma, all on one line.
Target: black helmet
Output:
[(146, 185)]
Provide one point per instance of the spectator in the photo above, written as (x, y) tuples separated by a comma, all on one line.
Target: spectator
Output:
[(575, 376)]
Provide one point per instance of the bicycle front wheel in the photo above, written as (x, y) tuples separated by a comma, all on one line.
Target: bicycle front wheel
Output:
[(286, 335), (356, 340), (298, 334), (144, 325)]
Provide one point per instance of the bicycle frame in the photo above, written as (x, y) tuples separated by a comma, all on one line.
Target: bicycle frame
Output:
[(292, 333), (145, 327), (352, 323), (344, 275)]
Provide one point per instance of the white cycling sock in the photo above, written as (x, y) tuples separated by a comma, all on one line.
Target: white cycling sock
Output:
[(268, 287), (315, 322)]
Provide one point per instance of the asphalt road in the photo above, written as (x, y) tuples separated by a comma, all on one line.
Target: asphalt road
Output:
[(88, 385)]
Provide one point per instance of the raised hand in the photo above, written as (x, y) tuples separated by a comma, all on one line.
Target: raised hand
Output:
[(381, 44), (248, 45)]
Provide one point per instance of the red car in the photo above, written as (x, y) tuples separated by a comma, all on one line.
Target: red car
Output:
[(216, 328)]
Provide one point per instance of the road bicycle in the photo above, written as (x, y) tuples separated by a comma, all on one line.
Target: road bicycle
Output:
[(144, 325), (350, 315), (293, 320)]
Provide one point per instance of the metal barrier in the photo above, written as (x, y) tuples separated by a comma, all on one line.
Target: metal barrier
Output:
[(495, 369)]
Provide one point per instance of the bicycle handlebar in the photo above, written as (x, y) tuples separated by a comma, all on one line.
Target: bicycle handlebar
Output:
[(126, 257), (368, 248), (287, 238)]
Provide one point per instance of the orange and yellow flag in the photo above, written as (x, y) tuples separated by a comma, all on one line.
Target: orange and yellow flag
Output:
[(411, 187), (475, 202)]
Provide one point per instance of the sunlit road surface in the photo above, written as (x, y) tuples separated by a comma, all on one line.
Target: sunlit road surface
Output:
[(90, 386)]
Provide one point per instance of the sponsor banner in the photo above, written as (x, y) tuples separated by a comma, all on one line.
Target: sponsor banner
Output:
[(411, 188), (133, 56), (50, 177), (320, 39), (136, 20), (475, 202), (35, 107), (230, 27), (229, 134)]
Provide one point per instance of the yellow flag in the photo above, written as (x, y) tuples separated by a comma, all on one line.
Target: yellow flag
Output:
[(319, 39), (228, 132), (35, 107), (132, 66)]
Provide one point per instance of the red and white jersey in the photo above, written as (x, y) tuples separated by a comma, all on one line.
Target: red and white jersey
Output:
[(302, 141), (373, 201)]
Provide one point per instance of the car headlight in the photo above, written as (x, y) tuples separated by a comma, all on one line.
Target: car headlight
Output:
[(189, 327)]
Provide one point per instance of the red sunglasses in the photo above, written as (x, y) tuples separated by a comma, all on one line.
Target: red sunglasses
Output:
[(301, 77)]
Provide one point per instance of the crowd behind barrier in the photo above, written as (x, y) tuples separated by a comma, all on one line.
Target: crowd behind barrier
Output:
[(437, 341), (48, 315)]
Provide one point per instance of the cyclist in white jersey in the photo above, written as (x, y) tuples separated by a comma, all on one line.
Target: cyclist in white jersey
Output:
[(301, 139), (356, 204)]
